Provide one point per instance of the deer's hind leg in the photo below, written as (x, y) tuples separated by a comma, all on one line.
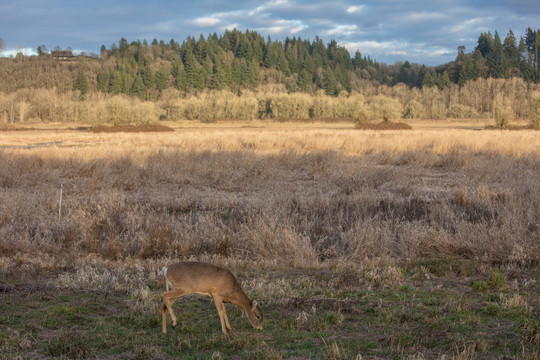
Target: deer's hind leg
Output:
[(168, 299)]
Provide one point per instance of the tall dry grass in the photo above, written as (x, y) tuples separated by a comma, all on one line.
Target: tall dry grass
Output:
[(282, 196)]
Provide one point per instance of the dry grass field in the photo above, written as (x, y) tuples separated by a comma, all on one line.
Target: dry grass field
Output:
[(421, 243)]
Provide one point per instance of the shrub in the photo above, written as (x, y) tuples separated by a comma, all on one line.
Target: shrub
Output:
[(414, 110), (459, 111), (362, 113), (535, 110), (497, 280), (143, 113), (479, 286), (117, 110), (383, 107), (502, 111), (438, 110)]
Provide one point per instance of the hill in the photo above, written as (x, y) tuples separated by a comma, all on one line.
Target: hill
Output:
[(239, 60)]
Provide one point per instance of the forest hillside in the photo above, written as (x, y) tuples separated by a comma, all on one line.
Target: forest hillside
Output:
[(243, 75)]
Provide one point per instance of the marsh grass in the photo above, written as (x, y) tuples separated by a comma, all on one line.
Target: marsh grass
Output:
[(297, 196), (358, 243)]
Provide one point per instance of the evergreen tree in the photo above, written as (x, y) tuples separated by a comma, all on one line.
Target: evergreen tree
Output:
[(223, 73), (177, 69), (495, 60), (115, 82), (282, 62), (510, 50), (81, 84), (466, 71), (305, 80), (330, 83), (252, 74), (208, 67), (139, 57), (162, 78), (532, 49), (429, 80), (41, 50), (404, 75), (358, 61), (199, 50), (138, 87), (239, 71), (319, 53), (243, 48), (103, 82), (218, 77), (479, 68), (122, 45), (103, 52), (485, 44), (147, 76), (291, 54), (272, 55), (193, 78), (174, 46), (127, 80)]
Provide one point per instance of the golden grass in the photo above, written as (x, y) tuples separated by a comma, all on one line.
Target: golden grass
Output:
[(277, 194)]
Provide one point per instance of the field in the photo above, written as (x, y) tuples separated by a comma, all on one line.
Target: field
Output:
[(413, 244)]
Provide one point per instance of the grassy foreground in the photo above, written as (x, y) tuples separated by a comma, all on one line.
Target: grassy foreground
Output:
[(310, 313), (358, 244)]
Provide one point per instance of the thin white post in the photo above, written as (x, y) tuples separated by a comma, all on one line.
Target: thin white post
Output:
[(60, 206)]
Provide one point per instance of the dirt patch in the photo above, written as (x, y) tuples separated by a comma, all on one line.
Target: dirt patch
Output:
[(385, 125), (130, 128), (8, 127), (511, 127)]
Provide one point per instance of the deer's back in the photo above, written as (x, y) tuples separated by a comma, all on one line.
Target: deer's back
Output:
[(201, 277)]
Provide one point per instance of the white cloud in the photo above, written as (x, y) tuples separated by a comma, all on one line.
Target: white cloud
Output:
[(280, 26), (25, 51), (424, 16), (355, 9), (372, 46), (267, 6), (206, 21), (467, 25), (343, 30), (420, 52), (400, 53), (231, 26)]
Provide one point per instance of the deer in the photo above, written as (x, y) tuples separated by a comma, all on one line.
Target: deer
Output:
[(194, 277)]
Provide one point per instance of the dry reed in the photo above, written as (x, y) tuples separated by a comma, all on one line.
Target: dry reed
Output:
[(285, 196)]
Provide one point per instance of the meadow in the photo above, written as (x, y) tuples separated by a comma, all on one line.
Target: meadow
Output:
[(415, 244)]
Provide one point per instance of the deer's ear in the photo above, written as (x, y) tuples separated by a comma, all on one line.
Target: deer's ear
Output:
[(253, 304)]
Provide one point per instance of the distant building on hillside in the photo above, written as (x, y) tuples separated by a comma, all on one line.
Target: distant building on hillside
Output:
[(62, 54)]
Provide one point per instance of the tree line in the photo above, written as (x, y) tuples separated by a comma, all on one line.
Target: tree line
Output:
[(483, 99), (496, 58), (239, 60), (234, 60)]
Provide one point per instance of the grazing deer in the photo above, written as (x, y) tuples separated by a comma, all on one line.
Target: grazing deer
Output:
[(184, 278)]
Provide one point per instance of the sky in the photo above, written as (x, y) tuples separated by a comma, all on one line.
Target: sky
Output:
[(389, 31)]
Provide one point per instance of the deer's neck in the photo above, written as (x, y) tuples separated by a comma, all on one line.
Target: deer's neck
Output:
[(242, 300)]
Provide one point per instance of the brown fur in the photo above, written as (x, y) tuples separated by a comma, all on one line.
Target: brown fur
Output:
[(186, 278)]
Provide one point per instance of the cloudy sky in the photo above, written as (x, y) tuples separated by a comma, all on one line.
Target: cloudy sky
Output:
[(425, 31)]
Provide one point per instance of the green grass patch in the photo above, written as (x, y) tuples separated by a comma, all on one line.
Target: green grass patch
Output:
[(412, 318)]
